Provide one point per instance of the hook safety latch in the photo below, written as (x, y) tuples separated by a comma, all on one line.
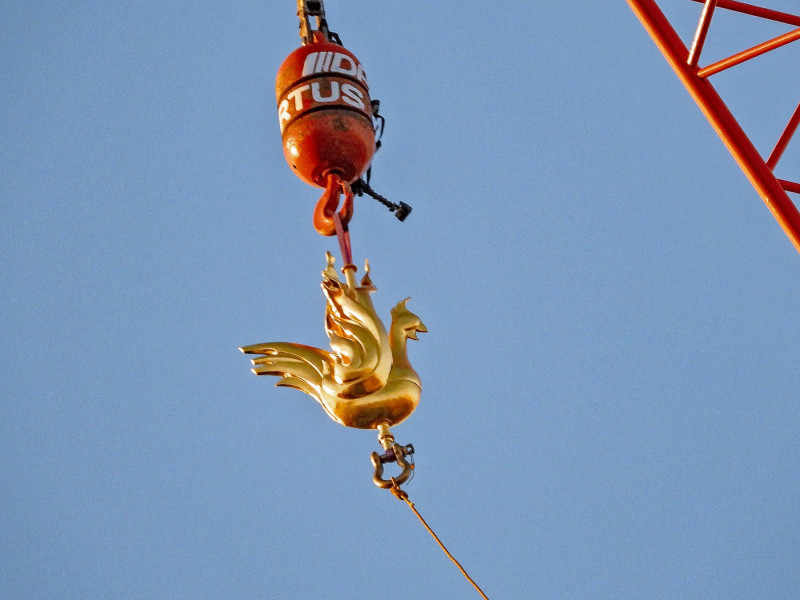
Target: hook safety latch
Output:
[(394, 453)]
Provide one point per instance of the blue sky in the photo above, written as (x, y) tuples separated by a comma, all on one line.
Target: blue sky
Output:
[(610, 378)]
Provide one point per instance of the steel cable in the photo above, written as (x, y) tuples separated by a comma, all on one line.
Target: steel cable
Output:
[(401, 495)]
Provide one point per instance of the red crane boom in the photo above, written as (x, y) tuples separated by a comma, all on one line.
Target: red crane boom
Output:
[(684, 62)]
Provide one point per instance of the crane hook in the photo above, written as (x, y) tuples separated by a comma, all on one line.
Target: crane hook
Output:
[(329, 202)]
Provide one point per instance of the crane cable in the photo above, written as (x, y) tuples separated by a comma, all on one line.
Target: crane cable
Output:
[(402, 495)]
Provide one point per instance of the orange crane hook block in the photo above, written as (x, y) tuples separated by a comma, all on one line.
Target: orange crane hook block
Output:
[(325, 115)]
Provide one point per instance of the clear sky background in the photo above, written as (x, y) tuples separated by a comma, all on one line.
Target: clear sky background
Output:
[(611, 378)]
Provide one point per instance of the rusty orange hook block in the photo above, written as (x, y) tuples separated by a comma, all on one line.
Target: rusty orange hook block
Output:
[(329, 202), (326, 120)]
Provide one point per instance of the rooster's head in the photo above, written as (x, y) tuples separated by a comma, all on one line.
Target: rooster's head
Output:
[(407, 321)]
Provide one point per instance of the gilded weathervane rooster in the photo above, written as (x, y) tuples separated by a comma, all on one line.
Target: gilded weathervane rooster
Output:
[(365, 380)]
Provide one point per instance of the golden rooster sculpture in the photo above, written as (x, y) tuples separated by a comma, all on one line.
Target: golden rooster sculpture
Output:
[(365, 380)]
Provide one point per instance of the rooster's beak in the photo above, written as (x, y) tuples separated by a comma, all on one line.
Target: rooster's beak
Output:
[(419, 328)]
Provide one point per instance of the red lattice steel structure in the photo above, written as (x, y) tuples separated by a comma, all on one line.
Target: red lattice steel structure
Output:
[(685, 62)]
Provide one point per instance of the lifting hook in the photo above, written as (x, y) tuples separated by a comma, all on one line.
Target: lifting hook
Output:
[(326, 206)]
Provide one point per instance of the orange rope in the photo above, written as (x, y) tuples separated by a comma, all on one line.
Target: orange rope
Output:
[(401, 495)]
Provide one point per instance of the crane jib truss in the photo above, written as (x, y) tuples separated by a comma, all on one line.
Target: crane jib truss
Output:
[(685, 62)]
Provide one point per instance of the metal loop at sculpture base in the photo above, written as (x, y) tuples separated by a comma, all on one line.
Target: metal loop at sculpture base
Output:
[(405, 474), (395, 453)]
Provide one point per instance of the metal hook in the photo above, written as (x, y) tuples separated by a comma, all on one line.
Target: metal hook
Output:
[(326, 206)]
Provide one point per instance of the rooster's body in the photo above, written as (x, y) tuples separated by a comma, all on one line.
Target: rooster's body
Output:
[(365, 379)]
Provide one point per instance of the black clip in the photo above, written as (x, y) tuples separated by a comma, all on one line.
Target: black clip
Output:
[(401, 211)]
